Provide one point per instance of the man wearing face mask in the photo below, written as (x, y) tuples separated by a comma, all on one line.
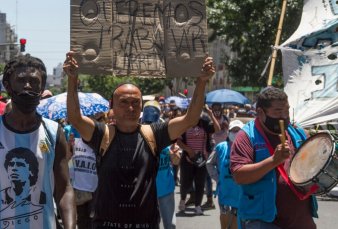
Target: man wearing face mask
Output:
[(258, 163), (218, 168), (24, 132)]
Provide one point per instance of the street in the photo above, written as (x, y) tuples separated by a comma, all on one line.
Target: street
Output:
[(210, 220)]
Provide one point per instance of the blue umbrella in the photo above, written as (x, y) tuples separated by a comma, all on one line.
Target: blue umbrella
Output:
[(56, 108), (226, 96), (181, 102)]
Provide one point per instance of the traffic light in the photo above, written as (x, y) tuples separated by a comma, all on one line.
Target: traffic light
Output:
[(23, 45)]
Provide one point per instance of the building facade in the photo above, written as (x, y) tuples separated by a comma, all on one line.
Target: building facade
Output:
[(8, 40)]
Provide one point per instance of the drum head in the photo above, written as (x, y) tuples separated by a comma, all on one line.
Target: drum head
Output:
[(311, 158)]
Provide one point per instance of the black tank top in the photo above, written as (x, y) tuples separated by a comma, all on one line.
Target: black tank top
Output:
[(127, 197)]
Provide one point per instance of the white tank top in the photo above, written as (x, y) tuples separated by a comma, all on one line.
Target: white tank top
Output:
[(83, 167), (27, 178)]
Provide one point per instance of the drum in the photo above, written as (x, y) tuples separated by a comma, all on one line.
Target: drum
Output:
[(315, 162)]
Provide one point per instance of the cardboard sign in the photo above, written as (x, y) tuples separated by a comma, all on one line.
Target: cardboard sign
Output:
[(145, 38)]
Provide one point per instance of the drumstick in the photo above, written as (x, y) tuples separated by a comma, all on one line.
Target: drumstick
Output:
[(282, 130)]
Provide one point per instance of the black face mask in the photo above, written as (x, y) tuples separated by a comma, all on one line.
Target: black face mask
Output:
[(273, 124), (26, 101)]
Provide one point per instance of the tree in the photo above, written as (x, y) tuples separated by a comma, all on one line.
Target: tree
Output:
[(250, 29), (151, 86), (2, 67), (104, 85)]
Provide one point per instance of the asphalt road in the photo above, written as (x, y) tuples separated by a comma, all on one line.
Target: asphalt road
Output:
[(328, 217)]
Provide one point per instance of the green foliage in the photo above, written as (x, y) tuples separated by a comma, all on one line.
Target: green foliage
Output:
[(55, 90), (2, 67), (150, 86), (250, 28), (104, 85)]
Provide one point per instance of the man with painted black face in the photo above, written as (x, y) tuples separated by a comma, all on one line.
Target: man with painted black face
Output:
[(259, 162), (26, 133), (126, 193)]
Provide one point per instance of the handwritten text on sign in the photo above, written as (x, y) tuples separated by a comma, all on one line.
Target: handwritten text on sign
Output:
[(139, 37)]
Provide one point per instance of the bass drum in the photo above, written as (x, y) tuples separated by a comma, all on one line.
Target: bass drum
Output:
[(315, 162)]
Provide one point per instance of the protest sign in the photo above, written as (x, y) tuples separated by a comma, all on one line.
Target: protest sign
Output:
[(146, 38)]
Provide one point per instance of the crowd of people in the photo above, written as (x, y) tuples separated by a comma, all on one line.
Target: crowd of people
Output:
[(119, 169)]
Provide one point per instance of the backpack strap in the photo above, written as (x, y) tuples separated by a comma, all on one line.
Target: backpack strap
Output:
[(107, 138), (148, 135), (109, 134)]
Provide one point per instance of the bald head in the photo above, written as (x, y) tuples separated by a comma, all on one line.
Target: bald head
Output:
[(124, 88), (127, 106)]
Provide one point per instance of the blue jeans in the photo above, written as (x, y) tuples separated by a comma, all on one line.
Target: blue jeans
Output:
[(167, 211), (257, 224)]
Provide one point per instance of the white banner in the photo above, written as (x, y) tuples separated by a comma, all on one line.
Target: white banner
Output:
[(310, 64)]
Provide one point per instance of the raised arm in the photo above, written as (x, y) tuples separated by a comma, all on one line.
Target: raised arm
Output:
[(84, 125), (217, 126), (179, 125)]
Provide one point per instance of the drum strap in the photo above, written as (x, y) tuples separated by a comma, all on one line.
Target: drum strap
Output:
[(282, 171)]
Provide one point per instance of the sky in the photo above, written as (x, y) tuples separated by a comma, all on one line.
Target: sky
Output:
[(45, 24)]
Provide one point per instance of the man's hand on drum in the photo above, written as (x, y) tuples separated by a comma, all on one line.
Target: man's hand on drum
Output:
[(281, 153)]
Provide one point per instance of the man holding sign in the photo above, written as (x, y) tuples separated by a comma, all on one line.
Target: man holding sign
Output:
[(126, 193), (268, 199)]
